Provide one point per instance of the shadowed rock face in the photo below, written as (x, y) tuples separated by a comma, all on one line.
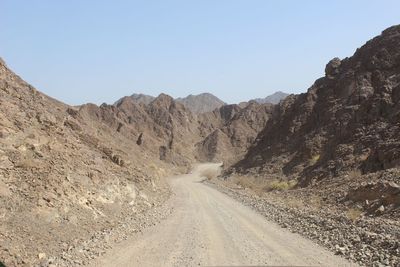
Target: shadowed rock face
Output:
[(347, 120)]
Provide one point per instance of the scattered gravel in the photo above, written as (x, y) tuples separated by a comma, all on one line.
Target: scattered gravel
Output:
[(366, 241), (100, 242)]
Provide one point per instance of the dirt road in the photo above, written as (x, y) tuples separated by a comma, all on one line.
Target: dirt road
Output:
[(207, 228)]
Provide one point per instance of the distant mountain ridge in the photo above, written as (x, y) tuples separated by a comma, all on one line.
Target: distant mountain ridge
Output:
[(197, 104), (205, 102), (275, 98), (138, 98)]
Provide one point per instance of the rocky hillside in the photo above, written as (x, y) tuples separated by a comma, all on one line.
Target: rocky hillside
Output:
[(68, 173), (201, 103), (345, 128)]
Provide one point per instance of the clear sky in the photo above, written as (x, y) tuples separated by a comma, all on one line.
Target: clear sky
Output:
[(97, 51)]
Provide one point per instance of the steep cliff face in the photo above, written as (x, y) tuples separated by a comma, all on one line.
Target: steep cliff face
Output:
[(348, 120)]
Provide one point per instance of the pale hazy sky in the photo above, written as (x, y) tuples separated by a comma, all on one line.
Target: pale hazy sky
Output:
[(97, 51)]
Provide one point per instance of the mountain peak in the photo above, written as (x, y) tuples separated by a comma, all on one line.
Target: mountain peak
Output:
[(138, 98), (162, 99), (201, 103), (275, 98), (204, 102)]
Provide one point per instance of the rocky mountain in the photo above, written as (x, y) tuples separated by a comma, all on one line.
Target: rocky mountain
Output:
[(139, 98), (230, 130), (197, 104), (345, 128), (201, 103), (275, 98), (205, 102), (60, 165), (63, 168)]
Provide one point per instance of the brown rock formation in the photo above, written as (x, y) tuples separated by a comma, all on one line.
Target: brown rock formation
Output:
[(347, 120)]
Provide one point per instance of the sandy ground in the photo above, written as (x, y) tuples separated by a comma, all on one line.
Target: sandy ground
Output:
[(208, 228)]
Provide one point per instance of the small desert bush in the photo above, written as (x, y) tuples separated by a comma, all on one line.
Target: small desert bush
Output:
[(363, 157), (355, 173), (315, 159), (210, 173), (281, 185), (294, 203), (353, 214), (261, 184), (316, 202), (246, 181), (27, 163)]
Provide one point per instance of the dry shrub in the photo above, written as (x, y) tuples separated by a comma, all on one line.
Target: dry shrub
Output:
[(294, 203), (315, 159), (355, 173), (260, 184), (363, 157), (316, 202), (210, 173), (281, 185), (353, 214), (245, 182), (28, 163)]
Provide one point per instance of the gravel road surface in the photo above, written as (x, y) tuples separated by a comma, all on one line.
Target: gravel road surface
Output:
[(208, 228)]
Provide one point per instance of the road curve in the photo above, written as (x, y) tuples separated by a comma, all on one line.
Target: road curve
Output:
[(208, 228)]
